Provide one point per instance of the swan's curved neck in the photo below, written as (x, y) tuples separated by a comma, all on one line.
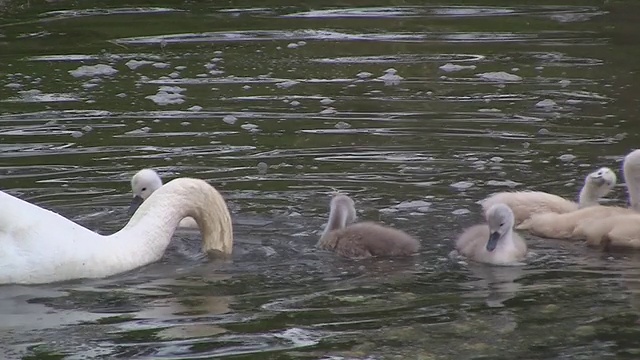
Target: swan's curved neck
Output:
[(153, 225)]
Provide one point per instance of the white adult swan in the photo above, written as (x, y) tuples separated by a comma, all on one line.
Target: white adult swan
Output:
[(495, 242), (363, 239), (568, 226), (40, 246), (526, 203), (143, 184)]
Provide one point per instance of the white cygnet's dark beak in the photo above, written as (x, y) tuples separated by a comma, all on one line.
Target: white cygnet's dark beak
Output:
[(135, 204), (493, 241)]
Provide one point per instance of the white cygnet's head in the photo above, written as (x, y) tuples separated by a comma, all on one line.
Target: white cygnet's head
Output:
[(604, 178), (500, 220), (143, 184), (342, 210)]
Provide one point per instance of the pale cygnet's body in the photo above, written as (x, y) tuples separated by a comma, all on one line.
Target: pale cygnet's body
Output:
[(576, 225), (363, 239), (143, 184), (615, 232), (495, 242), (524, 204)]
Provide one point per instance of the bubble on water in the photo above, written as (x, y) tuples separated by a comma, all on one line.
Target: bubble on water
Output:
[(185, 123), (342, 125), (499, 76), (134, 64), (449, 67), (294, 103), (546, 103), (195, 108), (161, 65), (292, 46), (87, 128), (460, 211), (564, 82), (462, 185), (262, 168), (249, 127), (142, 130), (414, 205), (391, 77), (566, 157), (543, 132), (505, 183), (230, 119), (121, 95), (496, 159), (388, 210), (174, 75), (77, 134), (89, 85), (14, 85), (93, 70), (180, 67), (246, 87), (574, 101), (165, 98), (327, 101), (364, 75), (328, 111), (620, 136), (287, 84)]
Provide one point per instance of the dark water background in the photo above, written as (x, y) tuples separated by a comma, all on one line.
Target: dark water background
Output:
[(285, 83)]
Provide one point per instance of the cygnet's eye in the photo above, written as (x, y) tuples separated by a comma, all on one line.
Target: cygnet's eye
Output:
[(144, 189), (501, 224)]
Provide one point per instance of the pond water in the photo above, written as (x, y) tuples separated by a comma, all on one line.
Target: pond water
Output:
[(393, 103)]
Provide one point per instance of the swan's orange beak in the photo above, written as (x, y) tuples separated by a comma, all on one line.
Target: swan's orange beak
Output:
[(493, 241), (135, 204)]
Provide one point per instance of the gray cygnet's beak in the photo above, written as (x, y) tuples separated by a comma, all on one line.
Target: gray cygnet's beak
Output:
[(135, 204), (493, 241)]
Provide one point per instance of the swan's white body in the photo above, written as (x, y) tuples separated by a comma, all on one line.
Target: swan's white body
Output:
[(145, 182), (40, 246), (363, 239), (593, 221), (508, 248), (524, 204)]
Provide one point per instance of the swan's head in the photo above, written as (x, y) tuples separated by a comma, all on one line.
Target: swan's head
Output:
[(342, 208), (500, 220), (631, 170), (143, 184), (603, 177)]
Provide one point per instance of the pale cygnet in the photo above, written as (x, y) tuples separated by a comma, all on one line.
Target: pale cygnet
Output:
[(524, 204), (143, 184), (362, 239), (569, 225), (596, 185), (495, 242)]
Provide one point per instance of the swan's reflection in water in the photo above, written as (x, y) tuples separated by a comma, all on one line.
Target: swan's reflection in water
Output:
[(83, 314), (497, 283)]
